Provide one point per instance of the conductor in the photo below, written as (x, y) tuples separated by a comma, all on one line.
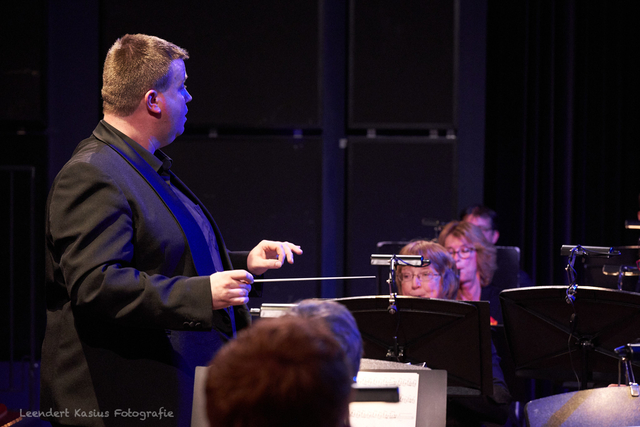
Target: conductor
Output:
[(140, 288)]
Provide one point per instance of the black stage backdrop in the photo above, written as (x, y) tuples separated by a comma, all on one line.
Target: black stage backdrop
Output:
[(561, 134), (561, 109)]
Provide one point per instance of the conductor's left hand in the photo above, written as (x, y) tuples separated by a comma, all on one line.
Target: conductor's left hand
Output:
[(269, 255)]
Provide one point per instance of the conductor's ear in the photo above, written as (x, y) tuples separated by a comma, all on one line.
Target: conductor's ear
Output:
[(151, 101)]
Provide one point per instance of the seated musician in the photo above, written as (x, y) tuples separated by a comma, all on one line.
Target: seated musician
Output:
[(440, 280), (285, 372), (340, 321), (475, 258)]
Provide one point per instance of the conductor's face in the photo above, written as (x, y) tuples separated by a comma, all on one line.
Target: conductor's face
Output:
[(174, 103)]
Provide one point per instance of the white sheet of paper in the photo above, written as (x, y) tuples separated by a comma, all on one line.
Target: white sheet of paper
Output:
[(385, 414)]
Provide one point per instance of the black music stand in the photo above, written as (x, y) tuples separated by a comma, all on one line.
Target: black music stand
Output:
[(601, 272), (451, 335), (546, 343)]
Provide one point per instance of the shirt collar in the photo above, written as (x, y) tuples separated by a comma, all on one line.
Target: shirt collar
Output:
[(165, 160), (159, 161)]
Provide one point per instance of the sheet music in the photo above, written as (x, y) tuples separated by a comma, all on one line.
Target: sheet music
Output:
[(385, 414)]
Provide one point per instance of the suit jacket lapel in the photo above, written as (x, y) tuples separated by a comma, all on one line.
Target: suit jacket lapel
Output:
[(195, 240)]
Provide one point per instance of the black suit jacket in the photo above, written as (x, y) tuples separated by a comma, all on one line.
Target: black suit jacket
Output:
[(128, 294)]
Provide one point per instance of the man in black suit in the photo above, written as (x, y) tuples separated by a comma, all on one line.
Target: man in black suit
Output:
[(140, 287)]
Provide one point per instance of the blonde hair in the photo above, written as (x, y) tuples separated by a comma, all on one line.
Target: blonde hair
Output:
[(486, 252), (441, 262), (135, 64)]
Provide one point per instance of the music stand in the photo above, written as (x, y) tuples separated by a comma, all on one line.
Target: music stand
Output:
[(603, 272), (546, 343), (451, 335)]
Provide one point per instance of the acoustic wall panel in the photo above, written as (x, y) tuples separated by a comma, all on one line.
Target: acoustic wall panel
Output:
[(23, 68), (403, 64), (261, 188), (395, 186), (23, 194), (250, 66)]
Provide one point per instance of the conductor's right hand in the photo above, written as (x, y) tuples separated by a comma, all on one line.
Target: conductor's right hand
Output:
[(230, 288)]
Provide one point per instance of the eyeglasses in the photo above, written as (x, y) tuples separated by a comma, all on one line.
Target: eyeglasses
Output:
[(464, 252), (408, 277)]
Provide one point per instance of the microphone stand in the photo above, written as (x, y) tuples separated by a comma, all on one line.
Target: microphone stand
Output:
[(391, 261), (396, 352), (392, 309), (585, 345), (572, 252), (571, 276)]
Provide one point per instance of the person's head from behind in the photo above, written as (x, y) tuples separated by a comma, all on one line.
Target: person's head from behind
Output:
[(340, 321), (142, 71), (484, 218), (437, 280), (283, 372), (475, 257)]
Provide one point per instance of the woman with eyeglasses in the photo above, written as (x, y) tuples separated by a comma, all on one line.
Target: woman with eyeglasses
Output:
[(438, 280), (475, 259)]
